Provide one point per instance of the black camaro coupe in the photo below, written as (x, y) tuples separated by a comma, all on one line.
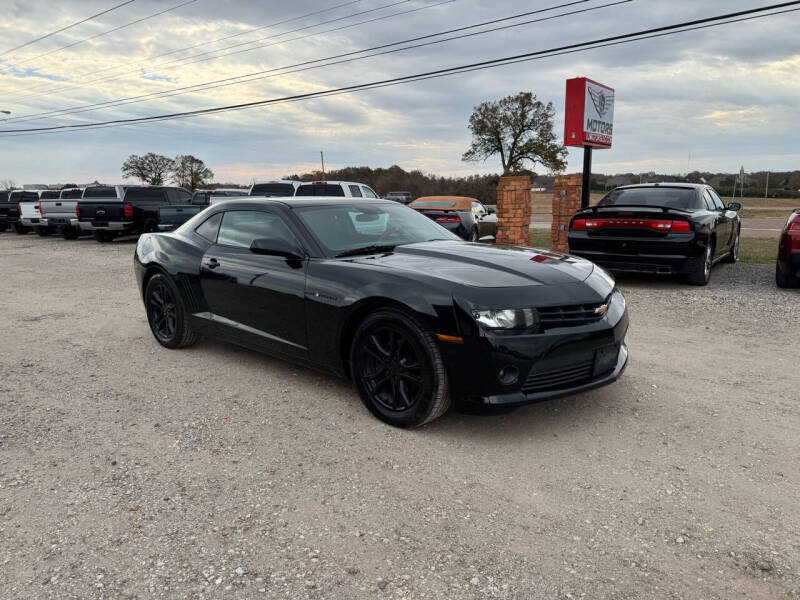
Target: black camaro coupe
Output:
[(661, 228), (375, 291)]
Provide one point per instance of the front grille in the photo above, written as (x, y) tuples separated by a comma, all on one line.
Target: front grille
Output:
[(557, 378), (570, 316)]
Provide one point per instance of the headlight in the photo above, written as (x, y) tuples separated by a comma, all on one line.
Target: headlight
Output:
[(509, 319)]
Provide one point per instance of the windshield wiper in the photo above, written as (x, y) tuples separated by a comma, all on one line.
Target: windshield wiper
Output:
[(373, 249)]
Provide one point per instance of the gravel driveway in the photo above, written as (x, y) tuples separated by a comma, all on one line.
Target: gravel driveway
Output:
[(131, 471)]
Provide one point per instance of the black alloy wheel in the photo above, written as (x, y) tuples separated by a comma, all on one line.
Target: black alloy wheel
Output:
[(165, 313), (398, 369), (733, 255)]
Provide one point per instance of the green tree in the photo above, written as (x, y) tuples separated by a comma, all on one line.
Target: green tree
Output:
[(520, 129), (151, 168), (190, 172)]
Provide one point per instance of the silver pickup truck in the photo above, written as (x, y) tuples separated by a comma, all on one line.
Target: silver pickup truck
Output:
[(57, 214), (29, 211)]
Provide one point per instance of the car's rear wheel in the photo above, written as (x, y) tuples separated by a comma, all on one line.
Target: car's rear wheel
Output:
[(398, 369), (43, 231), (166, 314), (784, 279), (733, 255), (103, 236), (3, 227), (20, 229), (700, 272)]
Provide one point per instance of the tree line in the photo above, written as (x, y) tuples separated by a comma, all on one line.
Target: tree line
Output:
[(184, 170)]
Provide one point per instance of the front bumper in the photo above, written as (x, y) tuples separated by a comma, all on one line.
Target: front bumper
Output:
[(560, 361), (104, 225)]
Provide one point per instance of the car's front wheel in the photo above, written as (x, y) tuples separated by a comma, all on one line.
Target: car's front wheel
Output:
[(733, 255), (166, 314), (398, 369)]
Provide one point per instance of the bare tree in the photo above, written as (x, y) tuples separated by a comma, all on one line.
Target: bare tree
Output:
[(520, 129), (7, 184), (190, 172), (150, 168)]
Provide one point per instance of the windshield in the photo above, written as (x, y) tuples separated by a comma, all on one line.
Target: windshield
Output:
[(344, 227), (71, 194), (668, 197), (49, 195), (320, 189), (280, 190)]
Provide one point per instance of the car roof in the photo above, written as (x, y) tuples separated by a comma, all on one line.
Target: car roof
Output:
[(330, 182), (295, 201), (695, 186), (460, 202)]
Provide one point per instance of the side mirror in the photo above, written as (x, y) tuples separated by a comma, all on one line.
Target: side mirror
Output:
[(276, 247), (491, 210), (735, 206)]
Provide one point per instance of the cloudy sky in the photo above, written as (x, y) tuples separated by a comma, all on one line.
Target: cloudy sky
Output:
[(712, 99)]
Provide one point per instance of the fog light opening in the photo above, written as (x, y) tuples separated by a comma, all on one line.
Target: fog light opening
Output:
[(508, 375)]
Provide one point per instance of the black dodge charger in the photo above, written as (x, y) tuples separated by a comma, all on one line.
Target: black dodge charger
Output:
[(661, 228), (377, 292)]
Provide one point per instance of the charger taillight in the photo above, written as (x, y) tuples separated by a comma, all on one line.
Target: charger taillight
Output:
[(448, 219), (127, 211), (794, 225), (615, 223)]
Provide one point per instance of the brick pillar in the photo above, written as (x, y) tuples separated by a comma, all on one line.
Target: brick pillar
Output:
[(566, 202), (514, 210)]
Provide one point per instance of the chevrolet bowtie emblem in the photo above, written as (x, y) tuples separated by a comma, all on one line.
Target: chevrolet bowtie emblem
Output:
[(601, 310)]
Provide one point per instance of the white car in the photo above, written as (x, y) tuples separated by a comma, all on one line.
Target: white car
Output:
[(340, 189)]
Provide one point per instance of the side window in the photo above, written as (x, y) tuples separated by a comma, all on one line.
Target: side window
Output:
[(208, 228), (355, 191), (240, 227), (184, 197), (368, 193), (717, 202), (708, 201)]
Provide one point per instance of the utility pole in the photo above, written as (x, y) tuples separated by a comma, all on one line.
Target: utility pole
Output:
[(766, 189), (322, 159)]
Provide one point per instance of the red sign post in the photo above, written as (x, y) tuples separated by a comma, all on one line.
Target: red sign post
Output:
[(588, 122)]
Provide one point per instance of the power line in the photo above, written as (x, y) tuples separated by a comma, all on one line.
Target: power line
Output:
[(232, 80), (663, 31), (27, 60), (52, 33), (140, 65)]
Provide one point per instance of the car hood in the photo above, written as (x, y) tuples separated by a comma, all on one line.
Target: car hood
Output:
[(484, 266)]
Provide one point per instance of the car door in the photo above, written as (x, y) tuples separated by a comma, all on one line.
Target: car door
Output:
[(724, 225), (257, 299)]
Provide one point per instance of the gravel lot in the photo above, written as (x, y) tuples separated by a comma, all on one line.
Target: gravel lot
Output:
[(131, 471)]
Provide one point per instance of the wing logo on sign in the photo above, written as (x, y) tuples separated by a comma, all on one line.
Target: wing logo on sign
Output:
[(602, 100)]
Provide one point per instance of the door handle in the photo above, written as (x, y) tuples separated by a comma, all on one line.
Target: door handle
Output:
[(212, 263)]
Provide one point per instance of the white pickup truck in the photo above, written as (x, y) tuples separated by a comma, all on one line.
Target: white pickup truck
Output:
[(30, 214), (57, 214)]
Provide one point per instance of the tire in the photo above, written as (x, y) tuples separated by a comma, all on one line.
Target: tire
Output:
[(473, 235), (150, 227), (398, 369), (103, 236), (700, 272), (42, 231), (166, 314), (70, 233), (20, 229), (784, 279), (3, 227), (733, 255)]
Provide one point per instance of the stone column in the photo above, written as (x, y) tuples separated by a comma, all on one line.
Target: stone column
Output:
[(566, 202), (514, 210)]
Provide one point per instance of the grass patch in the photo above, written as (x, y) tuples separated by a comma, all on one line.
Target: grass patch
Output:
[(540, 238), (754, 250), (758, 250)]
